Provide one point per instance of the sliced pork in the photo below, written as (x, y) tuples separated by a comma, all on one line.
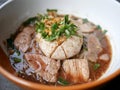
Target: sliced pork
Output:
[(72, 46), (87, 27), (66, 49), (34, 47), (94, 48), (23, 39), (77, 69), (46, 67), (47, 47)]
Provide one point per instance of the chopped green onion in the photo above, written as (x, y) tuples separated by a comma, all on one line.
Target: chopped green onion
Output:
[(18, 52), (51, 10), (10, 43), (17, 60), (85, 20), (30, 20), (66, 19), (99, 27), (41, 17), (104, 31), (54, 27), (67, 33), (63, 82), (40, 27), (57, 29), (96, 66)]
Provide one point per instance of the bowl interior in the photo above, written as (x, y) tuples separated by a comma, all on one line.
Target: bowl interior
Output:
[(103, 12)]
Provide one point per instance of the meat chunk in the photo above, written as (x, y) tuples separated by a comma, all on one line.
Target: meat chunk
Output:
[(34, 47), (94, 48), (72, 46), (46, 67), (59, 53), (47, 47), (23, 39), (66, 49), (83, 27), (99, 34), (77, 69), (87, 27), (76, 21)]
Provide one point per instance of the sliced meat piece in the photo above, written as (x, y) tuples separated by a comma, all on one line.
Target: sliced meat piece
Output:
[(94, 48), (34, 47), (66, 49), (23, 39), (104, 57), (29, 30), (72, 46), (59, 53), (47, 47), (77, 69), (46, 67), (99, 34), (87, 27), (77, 21)]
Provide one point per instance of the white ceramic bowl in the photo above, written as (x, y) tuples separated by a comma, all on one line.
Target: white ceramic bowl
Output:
[(102, 12)]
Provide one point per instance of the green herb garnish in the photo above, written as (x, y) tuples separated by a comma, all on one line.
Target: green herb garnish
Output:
[(66, 19), (10, 42), (51, 29), (40, 27), (96, 66), (63, 82), (17, 60), (85, 20), (104, 31), (99, 27), (51, 10), (30, 21), (18, 52)]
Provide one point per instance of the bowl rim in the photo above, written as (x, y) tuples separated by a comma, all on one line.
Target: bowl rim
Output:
[(29, 84)]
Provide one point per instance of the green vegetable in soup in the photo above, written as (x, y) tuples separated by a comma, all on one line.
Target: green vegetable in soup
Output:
[(17, 60), (63, 82), (85, 20), (96, 66), (30, 21)]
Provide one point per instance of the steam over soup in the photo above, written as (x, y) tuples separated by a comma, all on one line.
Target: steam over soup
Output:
[(58, 49)]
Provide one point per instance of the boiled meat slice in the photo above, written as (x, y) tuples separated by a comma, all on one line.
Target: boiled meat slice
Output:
[(99, 34), (77, 69), (66, 49), (46, 67), (72, 46), (87, 27), (94, 48), (77, 21), (59, 53), (47, 47), (34, 47), (23, 39)]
